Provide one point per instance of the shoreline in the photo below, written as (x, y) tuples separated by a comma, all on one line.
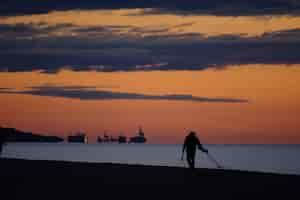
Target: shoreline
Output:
[(209, 170)]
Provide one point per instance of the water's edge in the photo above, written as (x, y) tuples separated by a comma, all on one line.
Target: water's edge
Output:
[(280, 159)]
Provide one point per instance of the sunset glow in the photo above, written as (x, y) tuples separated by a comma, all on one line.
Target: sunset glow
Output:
[(231, 77), (270, 116)]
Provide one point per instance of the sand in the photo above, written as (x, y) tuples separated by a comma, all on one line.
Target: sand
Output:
[(29, 179)]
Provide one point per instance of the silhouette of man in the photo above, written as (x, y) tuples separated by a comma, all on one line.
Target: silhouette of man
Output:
[(190, 143)]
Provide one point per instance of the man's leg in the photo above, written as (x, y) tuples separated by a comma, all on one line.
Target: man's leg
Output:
[(192, 154), (190, 159), (193, 162)]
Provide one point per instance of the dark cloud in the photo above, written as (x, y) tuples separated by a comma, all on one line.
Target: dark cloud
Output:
[(100, 31), (291, 35), (145, 30), (88, 93), (186, 7), (19, 31), (104, 48)]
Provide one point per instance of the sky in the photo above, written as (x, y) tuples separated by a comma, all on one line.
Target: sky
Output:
[(227, 70)]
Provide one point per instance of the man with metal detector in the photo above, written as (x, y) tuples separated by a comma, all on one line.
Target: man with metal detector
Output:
[(190, 143)]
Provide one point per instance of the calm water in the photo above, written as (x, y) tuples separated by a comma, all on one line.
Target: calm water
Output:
[(266, 158)]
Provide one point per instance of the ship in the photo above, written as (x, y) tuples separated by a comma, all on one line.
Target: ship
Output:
[(78, 138), (140, 138), (122, 139), (106, 139)]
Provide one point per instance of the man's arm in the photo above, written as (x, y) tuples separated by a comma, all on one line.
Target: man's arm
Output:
[(200, 147)]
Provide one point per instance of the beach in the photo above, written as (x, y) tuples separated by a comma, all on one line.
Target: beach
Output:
[(27, 179)]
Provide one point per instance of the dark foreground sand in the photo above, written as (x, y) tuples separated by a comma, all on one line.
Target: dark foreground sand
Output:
[(24, 179)]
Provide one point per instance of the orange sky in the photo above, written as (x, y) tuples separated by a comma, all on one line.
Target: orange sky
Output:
[(273, 91), (271, 116)]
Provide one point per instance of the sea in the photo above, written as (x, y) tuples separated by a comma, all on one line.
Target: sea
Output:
[(281, 159)]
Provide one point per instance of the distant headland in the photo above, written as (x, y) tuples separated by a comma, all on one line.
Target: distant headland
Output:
[(14, 135)]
